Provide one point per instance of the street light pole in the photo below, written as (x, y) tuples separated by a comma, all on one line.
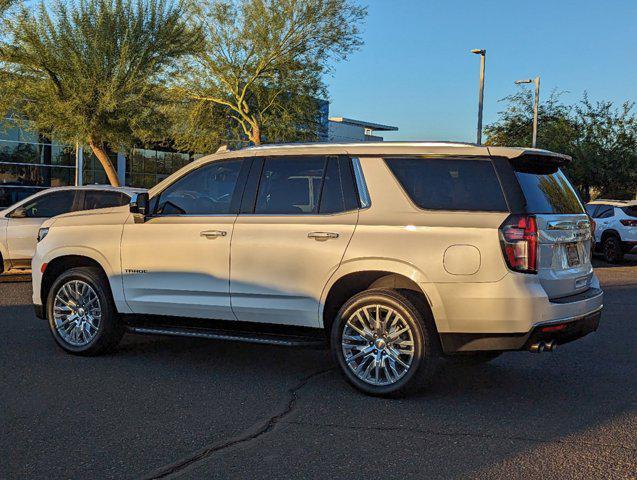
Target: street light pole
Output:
[(483, 54), (536, 104)]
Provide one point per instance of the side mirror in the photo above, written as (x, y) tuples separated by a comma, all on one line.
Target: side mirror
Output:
[(19, 212), (139, 204)]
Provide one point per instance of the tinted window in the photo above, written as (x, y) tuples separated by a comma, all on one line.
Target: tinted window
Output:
[(338, 194), (631, 210), (100, 199), (604, 211), (50, 205), (546, 189), (448, 184), (205, 191), (361, 186), (590, 209), (290, 185)]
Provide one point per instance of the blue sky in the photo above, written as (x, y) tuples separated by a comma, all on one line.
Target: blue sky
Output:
[(415, 70)]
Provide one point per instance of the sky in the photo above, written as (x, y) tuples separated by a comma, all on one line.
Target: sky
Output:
[(415, 70)]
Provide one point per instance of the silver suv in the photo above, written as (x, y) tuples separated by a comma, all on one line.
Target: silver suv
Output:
[(397, 255)]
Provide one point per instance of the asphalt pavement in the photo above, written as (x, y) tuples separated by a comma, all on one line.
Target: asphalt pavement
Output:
[(164, 407)]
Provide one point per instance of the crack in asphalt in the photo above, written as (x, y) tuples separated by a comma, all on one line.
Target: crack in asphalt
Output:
[(251, 433), (461, 434)]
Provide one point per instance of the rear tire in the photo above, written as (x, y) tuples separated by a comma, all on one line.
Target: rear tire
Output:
[(384, 344), (612, 249), (81, 313)]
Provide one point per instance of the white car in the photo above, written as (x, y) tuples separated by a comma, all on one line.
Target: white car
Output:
[(19, 223), (394, 254), (615, 227)]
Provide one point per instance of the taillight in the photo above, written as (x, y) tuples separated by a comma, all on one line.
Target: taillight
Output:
[(629, 223), (518, 236)]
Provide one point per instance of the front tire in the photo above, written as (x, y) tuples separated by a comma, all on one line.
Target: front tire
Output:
[(385, 343), (81, 313)]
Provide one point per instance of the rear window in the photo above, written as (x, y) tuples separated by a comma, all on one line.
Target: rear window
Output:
[(631, 210), (103, 199), (547, 190), (450, 184)]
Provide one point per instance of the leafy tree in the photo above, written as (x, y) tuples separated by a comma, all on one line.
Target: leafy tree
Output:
[(5, 5), (601, 139), (91, 71), (607, 147), (261, 69), (557, 129)]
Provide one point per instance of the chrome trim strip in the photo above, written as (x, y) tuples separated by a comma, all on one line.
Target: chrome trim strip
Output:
[(222, 336)]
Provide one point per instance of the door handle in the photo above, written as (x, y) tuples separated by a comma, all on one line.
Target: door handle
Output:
[(322, 235), (213, 233)]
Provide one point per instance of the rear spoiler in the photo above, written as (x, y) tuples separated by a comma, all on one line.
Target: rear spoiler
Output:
[(532, 155)]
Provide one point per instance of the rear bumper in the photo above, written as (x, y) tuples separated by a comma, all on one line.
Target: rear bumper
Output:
[(569, 329), (629, 245)]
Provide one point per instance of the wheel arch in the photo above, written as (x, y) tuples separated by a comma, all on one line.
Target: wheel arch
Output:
[(59, 264), (610, 232), (355, 277)]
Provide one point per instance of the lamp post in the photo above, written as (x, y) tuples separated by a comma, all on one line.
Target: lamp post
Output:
[(536, 103), (483, 54)]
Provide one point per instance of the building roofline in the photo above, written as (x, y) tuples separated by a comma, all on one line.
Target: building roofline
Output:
[(361, 123)]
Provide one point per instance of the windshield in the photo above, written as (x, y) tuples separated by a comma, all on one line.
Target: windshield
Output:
[(547, 190)]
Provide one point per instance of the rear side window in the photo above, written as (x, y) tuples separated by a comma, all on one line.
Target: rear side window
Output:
[(338, 194), (450, 184), (604, 211), (290, 185), (103, 199), (631, 210), (546, 189)]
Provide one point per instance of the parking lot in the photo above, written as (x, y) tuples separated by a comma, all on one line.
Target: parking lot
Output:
[(168, 407)]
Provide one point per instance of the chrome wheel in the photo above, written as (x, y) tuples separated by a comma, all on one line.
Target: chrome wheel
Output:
[(76, 313), (378, 344)]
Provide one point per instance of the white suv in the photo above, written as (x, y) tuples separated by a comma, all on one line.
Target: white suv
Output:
[(396, 254), (615, 227), (20, 223)]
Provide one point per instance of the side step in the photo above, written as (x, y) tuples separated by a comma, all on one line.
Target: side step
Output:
[(233, 336)]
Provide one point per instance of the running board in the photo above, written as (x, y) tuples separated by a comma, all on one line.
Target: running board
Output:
[(239, 336)]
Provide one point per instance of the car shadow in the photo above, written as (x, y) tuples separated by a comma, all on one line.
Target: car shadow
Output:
[(630, 260)]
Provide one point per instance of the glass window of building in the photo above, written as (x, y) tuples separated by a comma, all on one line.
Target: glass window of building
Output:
[(30, 162)]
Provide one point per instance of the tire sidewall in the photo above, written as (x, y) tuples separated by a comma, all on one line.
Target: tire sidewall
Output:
[(616, 248), (106, 321), (422, 344)]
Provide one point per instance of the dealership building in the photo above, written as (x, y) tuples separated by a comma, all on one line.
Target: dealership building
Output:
[(30, 162)]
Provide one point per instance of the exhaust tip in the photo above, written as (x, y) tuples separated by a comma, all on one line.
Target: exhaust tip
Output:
[(539, 347), (550, 345)]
